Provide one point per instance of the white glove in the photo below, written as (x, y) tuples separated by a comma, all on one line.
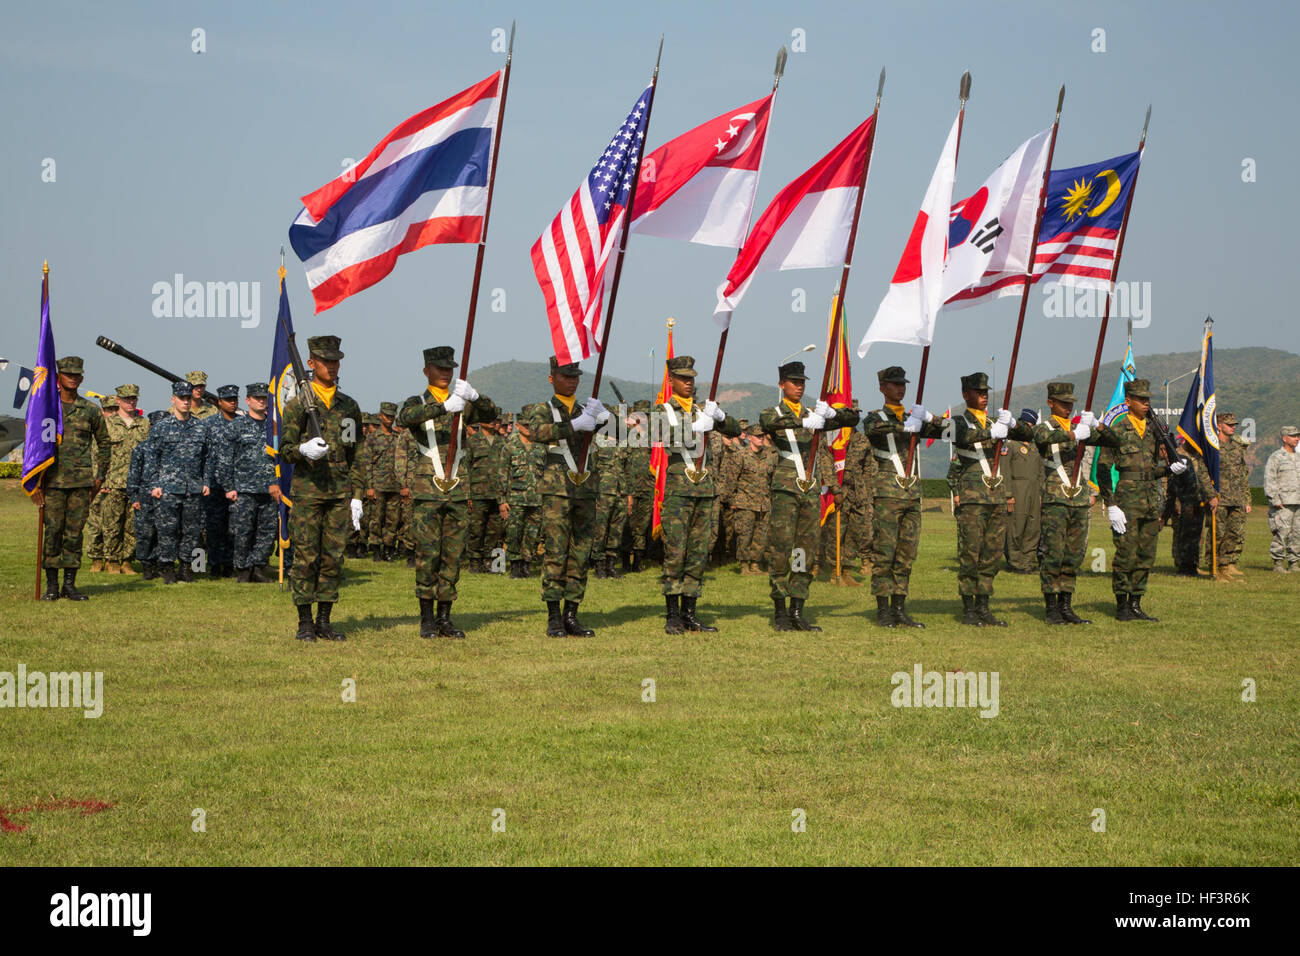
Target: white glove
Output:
[(814, 422), (702, 424), (454, 403), (998, 430), (1004, 417), (911, 424), (1089, 419), (314, 449), (918, 411), (1118, 523), (465, 390), (1177, 467), (1082, 431), (584, 422), (824, 410), (356, 514), (713, 411), (596, 409)]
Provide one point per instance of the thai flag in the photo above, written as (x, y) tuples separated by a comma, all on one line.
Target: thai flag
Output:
[(426, 182)]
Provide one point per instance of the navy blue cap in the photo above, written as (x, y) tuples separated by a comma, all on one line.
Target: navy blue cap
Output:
[(183, 389)]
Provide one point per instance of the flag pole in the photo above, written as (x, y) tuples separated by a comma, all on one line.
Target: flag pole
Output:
[(964, 94), (40, 482), (722, 339), (478, 258), (618, 263), (838, 316), (1110, 290), (1029, 273)]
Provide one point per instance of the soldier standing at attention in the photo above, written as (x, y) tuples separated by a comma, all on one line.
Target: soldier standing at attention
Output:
[(687, 511), (126, 430), (796, 500), (384, 483), (200, 407), (1023, 467), (568, 499), (175, 463), (138, 485), (859, 470), (94, 518), (609, 472), (1232, 504), (524, 501), (487, 506), (216, 506), (1133, 503), (1282, 488), (751, 500), (640, 482), (896, 497), (326, 488), (248, 472), (70, 482), (441, 498), (985, 498), (1185, 508)]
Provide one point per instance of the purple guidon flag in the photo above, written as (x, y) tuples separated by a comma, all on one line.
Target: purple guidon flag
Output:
[(44, 410)]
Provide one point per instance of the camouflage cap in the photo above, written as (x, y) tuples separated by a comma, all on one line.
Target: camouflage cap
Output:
[(229, 392), (743, 423), (1225, 418), (197, 378), (325, 347), (641, 405), (257, 390), (682, 365), (128, 391), (71, 365), (975, 381), (507, 418), (791, 371), (893, 374), (1290, 431), (755, 431), (1138, 388), (369, 418), (388, 408), (182, 389), (441, 356), (569, 369), (108, 401), (1061, 391)]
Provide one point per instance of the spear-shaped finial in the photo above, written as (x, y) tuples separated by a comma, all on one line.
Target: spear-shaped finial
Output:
[(880, 87), (510, 50), (780, 68), (1060, 101), (659, 55), (964, 92), (281, 272), (45, 269), (1208, 321), (1146, 123)]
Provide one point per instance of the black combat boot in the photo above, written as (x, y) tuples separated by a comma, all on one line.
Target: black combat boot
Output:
[(378, 555), (796, 616), (445, 627), (968, 613), (1134, 605), (324, 630), (169, 573), (306, 630), (70, 586), (612, 570), (599, 568), (1052, 602), (1067, 609), (982, 609), (1123, 612), (51, 585), (261, 575), (554, 620), (150, 570), (884, 612), (572, 626), (517, 569), (245, 575), (781, 617), (898, 604), (185, 573), (528, 568), (428, 623), (637, 565), (673, 623), (692, 622)]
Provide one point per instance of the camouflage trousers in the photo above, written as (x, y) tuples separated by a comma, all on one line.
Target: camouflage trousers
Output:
[(611, 516), (1187, 526), (638, 522), (1063, 531), (1135, 554), (567, 525), (318, 532), (385, 513), (94, 530), (66, 511), (751, 534), (216, 526), (441, 533), (857, 530), (486, 529), (792, 543), (1284, 523), (896, 535), (146, 533), (523, 531), (406, 524), (686, 520), (981, 538), (117, 520), (1231, 533), (254, 519), (716, 516), (179, 521)]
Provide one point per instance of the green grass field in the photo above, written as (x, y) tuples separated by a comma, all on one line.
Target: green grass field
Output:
[(209, 704)]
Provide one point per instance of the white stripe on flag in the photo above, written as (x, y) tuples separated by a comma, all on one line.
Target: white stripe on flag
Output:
[(482, 114)]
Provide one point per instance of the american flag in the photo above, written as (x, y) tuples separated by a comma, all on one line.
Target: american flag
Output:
[(570, 256)]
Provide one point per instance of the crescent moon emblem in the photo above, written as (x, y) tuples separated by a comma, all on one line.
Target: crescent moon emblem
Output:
[(1112, 190), (743, 140)]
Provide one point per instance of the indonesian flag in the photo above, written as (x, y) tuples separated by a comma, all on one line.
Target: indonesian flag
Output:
[(906, 314), (700, 187), (807, 225), (658, 453)]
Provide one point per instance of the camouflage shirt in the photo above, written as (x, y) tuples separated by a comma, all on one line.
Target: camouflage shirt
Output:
[(123, 437), (526, 462), (1057, 446), (636, 464), (379, 461), (74, 465), (608, 465), (889, 444), (245, 465), (753, 479), (487, 465), (336, 475), (1138, 493), (429, 424), (777, 422), (1234, 475), (551, 425), (974, 446), (176, 455)]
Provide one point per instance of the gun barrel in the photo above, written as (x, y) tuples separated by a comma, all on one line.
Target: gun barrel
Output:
[(104, 342)]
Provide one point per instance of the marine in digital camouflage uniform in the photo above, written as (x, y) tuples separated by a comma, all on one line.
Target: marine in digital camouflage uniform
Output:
[(1232, 504), (796, 493), (526, 460), (751, 500), (177, 453), (216, 506), (327, 488), (139, 484), (126, 430), (246, 471), (70, 482), (384, 467)]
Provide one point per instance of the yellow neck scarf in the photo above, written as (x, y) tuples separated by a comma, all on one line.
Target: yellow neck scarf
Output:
[(896, 409), (686, 403), (1139, 425), (441, 394), (1063, 422), (981, 417), (567, 402), (326, 395), (793, 406)]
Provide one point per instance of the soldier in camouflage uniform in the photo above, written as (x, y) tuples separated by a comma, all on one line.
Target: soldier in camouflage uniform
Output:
[(216, 506), (177, 452), (247, 472), (200, 407), (407, 451), (985, 499), (609, 467), (384, 465), (1063, 526), (1186, 497), (138, 486), (752, 500), (896, 495), (1133, 502), (1230, 507), (796, 500), (527, 458), (1282, 488), (327, 488), (689, 495), (484, 450), (126, 430), (441, 497), (859, 474), (70, 482), (640, 483), (568, 499), (94, 518)]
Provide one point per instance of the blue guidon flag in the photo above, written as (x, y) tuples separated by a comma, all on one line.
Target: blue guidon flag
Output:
[(44, 421), (1197, 426), (284, 386)]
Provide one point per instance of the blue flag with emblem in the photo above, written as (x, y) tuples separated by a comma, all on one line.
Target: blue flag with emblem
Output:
[(44, 421), (1197, 426), (283, 387), (1116, 409)]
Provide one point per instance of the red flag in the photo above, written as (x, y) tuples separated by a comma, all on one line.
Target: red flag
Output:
[(659, 454), (839, 394)]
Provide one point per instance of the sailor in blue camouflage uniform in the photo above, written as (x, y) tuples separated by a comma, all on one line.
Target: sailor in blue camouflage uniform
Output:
[(216, 506), (247, 472), (138, 486), (175, 463)]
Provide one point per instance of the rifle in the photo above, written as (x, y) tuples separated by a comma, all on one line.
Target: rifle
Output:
[(304, 390), (106, 343), (1163, 440), (621, 399)]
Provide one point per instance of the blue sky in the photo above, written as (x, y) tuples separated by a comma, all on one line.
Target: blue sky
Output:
[(167, 162)]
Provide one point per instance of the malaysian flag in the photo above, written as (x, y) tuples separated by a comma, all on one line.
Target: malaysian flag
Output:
[(570, 256)]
